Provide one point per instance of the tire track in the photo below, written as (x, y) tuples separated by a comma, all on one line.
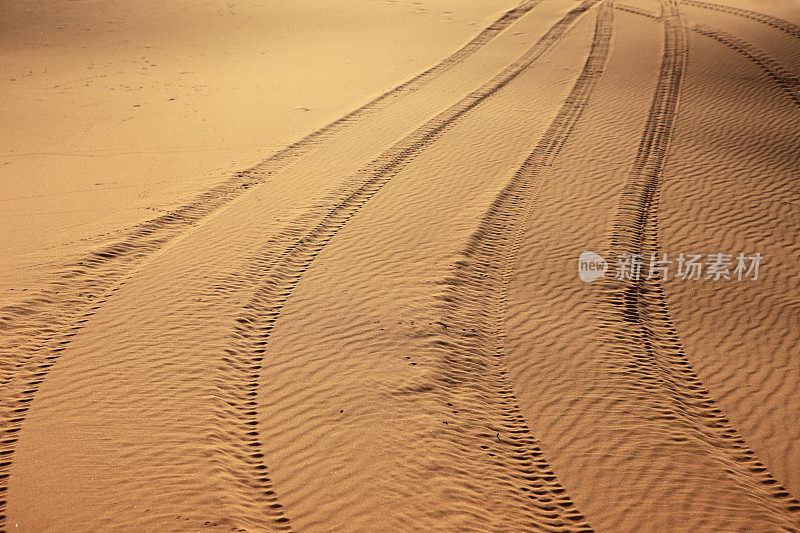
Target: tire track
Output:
[(98, 272), (644, 349), (788, 82), (637, 11), (90, 280), (241, 366), (748, 359), (472, 376), (36, 331), (775, 22)]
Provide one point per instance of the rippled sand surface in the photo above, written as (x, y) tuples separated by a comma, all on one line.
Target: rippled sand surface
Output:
[(316, 267)]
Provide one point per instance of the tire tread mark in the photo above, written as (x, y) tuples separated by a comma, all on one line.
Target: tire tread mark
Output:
[(472, 377), (37, 330), (633, 317), (98, 273), (788, 82), (236, 430), (776, 22), (785, 80), (637, 11)]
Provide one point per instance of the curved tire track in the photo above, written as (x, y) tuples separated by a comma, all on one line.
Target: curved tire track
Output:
[(788, 82), (90, 279), (634, 319), (242, 364), (472, 377), (636, 11), (36, 331), (776, 22)]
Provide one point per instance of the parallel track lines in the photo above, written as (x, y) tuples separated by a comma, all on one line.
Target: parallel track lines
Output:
[(644, 348), (778, 74), (86, 284), (788, 82), (472, 376), (38, 331), (241, 366), (776, 22)]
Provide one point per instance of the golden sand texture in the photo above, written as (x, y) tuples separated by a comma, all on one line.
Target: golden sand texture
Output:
[(380, 326)]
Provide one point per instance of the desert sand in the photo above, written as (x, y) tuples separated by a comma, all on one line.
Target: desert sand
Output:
[(314, 266)]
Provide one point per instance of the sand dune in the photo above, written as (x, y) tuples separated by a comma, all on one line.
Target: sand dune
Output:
[(380, 327)]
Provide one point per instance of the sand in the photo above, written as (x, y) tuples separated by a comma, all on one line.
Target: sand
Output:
[(115, 113), (333, 285)]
